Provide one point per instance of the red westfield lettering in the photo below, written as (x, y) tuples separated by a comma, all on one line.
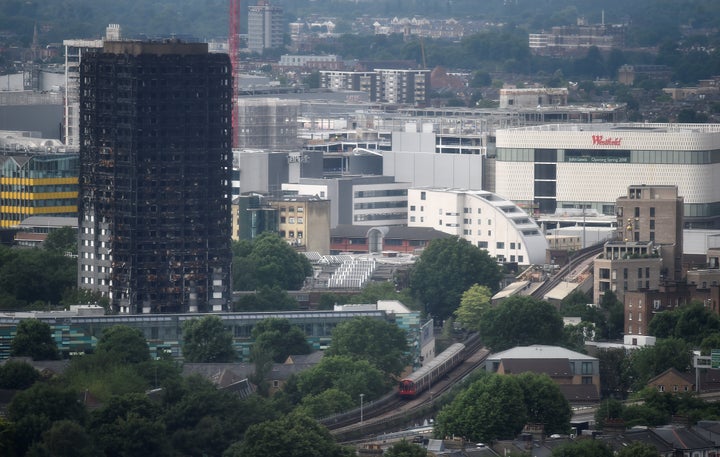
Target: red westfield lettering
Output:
[(600, 140)]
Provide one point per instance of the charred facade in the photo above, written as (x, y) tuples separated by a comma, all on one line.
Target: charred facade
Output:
[(155, 169)]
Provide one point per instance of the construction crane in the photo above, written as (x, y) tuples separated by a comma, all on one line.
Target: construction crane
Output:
[(234, 51)]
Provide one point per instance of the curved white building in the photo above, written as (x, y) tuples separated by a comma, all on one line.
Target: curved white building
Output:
[(558, 166), (483, 218)]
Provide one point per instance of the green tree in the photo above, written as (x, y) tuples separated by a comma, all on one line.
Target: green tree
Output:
[(15, 374), (206, 340), (33, 338), (353, 377), (615, 375), (67, 438), (583, 448), (614, 311), (638, 449), (473, 303), (291, 436), (266, 299), (695, 323), (405, 449), (608, 409), (103, 377), (80, 296), (663, 324), (644, 415), (62, 240), (650, 361), (489, 409), (202, 420), (34, 410), (123, 344), (544, 403), (35, 276), (447, 268), (480, 79), (270, 262), (709, 343), (375, 291), (382, 343), (128, 425), (281, 338), (326, 403), (540, 324)]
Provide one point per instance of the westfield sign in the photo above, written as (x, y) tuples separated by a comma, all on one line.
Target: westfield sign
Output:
[(600, 140)]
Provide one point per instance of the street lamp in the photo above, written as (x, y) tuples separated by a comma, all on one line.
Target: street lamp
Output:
[(362, 396)]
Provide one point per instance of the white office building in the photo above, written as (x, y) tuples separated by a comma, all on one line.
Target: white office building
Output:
[(483, 218), (549, 167), (358, 200)]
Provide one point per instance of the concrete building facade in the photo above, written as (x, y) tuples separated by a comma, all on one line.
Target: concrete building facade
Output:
[(533, 98), (304, 222), (155, 161), (37, 184), (549, 167), (74, 52), (265, 26), (654, 213), (485, 219), (402, 86), (623, 267), (359, 200)]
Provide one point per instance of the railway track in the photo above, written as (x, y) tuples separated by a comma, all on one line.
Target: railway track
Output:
[(392, 412), (580, 256)]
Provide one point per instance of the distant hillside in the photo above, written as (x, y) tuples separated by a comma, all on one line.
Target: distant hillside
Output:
[(653, 20)]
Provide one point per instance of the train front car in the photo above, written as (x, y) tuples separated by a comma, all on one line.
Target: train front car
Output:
[(419, 380), (407, 388)]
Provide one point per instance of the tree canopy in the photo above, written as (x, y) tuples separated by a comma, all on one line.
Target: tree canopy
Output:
[(352, 377), (544, 403), (500, 327), (15, 374), (404, 448), (291, 436), (123, 344), (474, 302), (34, 277), (491, 408), (268, 261), (498, 406), (650, 361), (447, 268), (583, 448), (206, 340), (281, 338), (692, 323), (33, 338), (62, 240), (381, 343)]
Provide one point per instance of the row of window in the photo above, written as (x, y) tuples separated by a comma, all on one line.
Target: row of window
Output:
[(291, 220), (381, 193), (39, 189), (379, 217), (292, 209), (607, 156), (17, 202)]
